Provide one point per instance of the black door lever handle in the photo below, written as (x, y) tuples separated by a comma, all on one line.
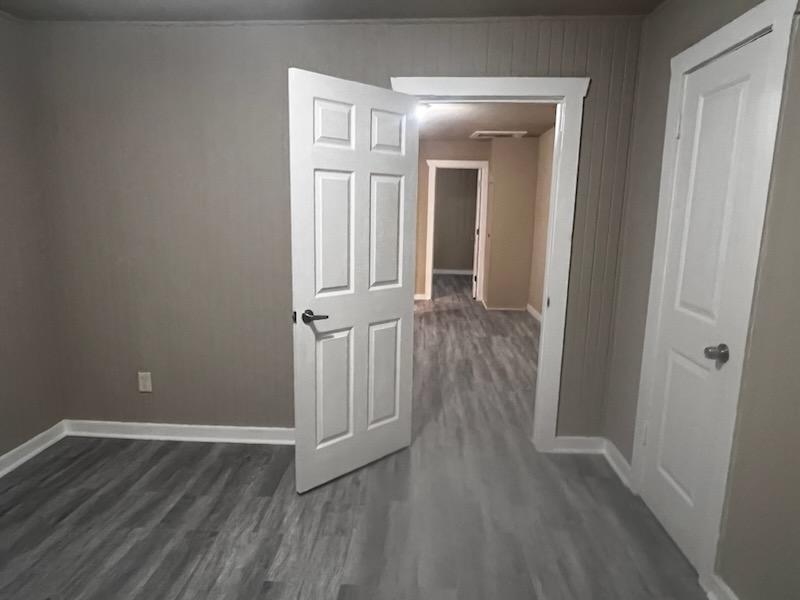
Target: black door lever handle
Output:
[(308, 316)]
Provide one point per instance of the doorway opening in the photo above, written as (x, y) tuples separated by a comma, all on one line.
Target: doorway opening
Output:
[(506, 269)]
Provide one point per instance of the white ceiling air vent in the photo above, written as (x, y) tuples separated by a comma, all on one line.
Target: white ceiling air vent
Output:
[(486, 134)]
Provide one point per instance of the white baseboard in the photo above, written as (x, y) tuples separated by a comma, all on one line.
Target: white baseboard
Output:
[(618, 462), (534, 313), (564, 444), (506, 308), (182, 433), (421, 297), (27, 450), (716, 589), (452, 271), (595, 445), (143, 431)]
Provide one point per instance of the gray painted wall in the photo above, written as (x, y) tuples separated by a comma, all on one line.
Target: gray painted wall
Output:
[(29, 398), (167, 158), (760, 546), (541, 215), (512, 195), (454, 231)]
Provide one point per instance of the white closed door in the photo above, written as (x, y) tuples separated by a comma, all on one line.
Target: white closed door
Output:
[(707, 271), (353, 159)]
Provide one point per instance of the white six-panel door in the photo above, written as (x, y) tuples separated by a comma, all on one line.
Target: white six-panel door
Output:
[(712, 236), (353, 155)]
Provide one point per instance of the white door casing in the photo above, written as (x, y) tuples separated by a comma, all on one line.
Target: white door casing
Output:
[(479, 257), (721, 127), (353, 163), (477, 247)]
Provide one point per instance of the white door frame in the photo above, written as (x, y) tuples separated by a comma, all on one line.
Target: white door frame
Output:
[(481, 198), (773, 17), (567, 93)]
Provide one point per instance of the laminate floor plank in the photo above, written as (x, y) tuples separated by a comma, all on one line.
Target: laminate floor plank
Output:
[(469, 512)]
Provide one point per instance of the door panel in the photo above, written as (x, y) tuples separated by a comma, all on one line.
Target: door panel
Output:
[(685, 383), (388, 131), (353, 161), (384, 376), (713, 240), (386, 228), (333, 123), (335, 389), (333, 192), (709, 199)]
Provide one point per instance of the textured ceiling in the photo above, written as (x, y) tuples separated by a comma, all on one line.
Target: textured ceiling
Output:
[(458, 121), (234, 10)]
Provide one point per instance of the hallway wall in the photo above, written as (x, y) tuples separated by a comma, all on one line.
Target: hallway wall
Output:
[(29, 400), (512, 196), (454, 225), (541, 212)]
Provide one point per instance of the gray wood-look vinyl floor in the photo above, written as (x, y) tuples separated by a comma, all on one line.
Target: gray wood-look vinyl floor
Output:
[(470, 511)]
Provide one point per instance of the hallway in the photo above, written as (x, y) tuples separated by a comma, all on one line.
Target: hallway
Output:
[(471, 511)]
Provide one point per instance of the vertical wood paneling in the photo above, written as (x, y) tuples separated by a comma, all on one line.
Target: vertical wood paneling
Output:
[(568, 51), (500, 50), (611, 63), (519, 64), (614, 239), (556, 49), (532, 47), (543, 51), (244, 66)]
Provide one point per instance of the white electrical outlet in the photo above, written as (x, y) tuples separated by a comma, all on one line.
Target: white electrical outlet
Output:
[(145, 382)]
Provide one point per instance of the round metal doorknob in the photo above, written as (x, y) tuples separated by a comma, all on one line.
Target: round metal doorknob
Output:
[(721, 353)]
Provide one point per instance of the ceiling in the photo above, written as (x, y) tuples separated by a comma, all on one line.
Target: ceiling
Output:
[(235, 10), (458, 121)]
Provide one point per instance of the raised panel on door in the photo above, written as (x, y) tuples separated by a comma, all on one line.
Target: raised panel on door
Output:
[(333, 123), (388, 132), (707, 220), (685, 401), (386, 230), (384, 373), (334, 387), (333, 227)]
